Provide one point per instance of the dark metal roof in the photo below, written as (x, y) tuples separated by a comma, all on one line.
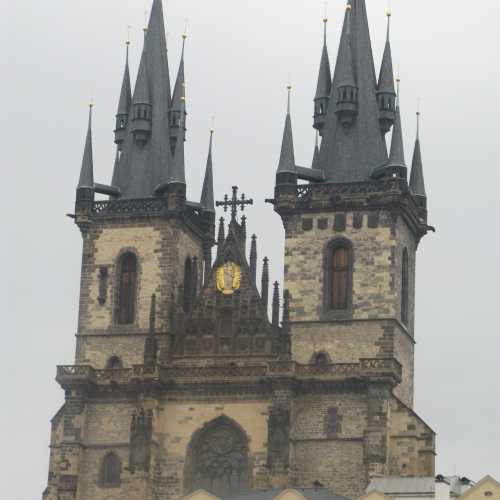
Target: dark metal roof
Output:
[(87, 171), (287, 157), (126, 90), (417, 183), (397, 156), (308, 493), (141, 169), (350, 154), (386, 77), (324, 86)]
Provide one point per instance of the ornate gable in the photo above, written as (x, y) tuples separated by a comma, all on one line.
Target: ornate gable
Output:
[(229, 317)]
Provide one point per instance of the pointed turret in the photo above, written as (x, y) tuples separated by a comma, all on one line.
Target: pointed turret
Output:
[(176, 106), (207, 193), (146, 155), (86, 181), (287, 172), (417, 184), (324, 86), (349, 153), (386, 94), (142, 110), (124, 105), (315, 161), (346, 91)]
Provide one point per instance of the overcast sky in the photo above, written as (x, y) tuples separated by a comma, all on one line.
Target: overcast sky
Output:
[(56, 53)]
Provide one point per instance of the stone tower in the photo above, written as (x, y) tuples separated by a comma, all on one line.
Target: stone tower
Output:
[(180, 380)]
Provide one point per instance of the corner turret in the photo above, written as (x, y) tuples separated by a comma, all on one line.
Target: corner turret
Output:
[(324, 87), (417, 183), (386, 94), (175, 112), (122, 115)]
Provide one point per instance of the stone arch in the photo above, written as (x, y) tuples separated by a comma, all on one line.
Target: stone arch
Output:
[(320, 358), (114, 363), (218, 459)]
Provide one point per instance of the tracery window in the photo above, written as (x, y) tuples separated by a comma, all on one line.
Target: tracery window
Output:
[(404, 287), (111, 470), (218, 459), (127, 289)]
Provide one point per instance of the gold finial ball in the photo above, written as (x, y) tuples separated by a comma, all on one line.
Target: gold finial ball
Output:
[(348, 7), (289, 87), (325, 19), (184, 36), (388, 13), (398, 79)]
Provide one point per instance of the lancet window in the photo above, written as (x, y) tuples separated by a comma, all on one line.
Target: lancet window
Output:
[(127, 289)]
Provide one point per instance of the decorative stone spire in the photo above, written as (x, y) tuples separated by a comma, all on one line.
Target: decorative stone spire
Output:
[(86, 181), (397, 156), (124, 105), (386, 94), (417, 184), (177, 102), (253, 259), (276, 305), (349, 154), (346, 91), (324, 86), (142, 109), (287, 172), (207, 194), (221, 236), (265, 283)]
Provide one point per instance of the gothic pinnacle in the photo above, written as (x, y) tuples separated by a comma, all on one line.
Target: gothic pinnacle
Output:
[(287, 157), (87, 170), (207, 193), (417, 183)]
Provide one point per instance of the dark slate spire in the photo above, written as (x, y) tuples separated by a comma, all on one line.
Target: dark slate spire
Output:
[(397, 156), (348, 154), (116, 167), (144, 165), (177, 172), (207, 193), (87, 172), (287, 158), (265, 283), (253, 258), (324, 86), (417, 184), (386, 94), (177, 98), (124, 105)]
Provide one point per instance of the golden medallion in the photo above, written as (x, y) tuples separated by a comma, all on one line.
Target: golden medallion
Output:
[(228, 278)]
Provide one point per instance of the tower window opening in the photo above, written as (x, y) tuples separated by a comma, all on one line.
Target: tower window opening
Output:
[(404, 288), (111, 470), (340, 272), (127, 289), (114, 363)]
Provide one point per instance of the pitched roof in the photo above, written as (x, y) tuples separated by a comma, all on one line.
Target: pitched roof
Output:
[(271, 494), (402, 485), (143, 168), (349, 155), (87, 171)]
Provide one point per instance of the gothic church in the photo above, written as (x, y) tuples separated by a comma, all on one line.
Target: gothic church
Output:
[(181, 380)]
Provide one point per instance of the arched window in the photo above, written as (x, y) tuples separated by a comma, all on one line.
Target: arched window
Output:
[(111, 470), (127, 289), (114, 363), (217, 459), (338, 277), (188, 283), (404, 287), (320, 359)]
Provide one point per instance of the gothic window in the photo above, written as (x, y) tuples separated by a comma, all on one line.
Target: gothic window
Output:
[(320, 359), (127, 289), (404, 288), (111, 470), (114, 363), (218, 459), (188, 285), (338, 276)]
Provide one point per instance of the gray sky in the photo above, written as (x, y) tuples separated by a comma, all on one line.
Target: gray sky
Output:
[(56, 53)]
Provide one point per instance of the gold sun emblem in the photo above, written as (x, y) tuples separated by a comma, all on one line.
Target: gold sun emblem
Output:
[(228, 278)]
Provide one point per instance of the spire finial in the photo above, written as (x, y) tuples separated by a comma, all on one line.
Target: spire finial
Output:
[(348, 9), (289, 90), (325, 22), (184, 35), (418, 119), (388, 14)]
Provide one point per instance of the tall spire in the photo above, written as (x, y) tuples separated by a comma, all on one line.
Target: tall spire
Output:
[(324, 86), (417, 184), (87, 172), (177, 173), (397, 156), (124, 104), (386, 94), (348, 154), (287, 158), (207, 193), (144, 164), (176, 106)]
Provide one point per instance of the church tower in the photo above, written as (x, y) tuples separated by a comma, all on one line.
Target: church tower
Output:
[(181, 379)]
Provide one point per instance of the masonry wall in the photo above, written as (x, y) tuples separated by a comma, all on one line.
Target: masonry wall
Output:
[(161, 247)]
